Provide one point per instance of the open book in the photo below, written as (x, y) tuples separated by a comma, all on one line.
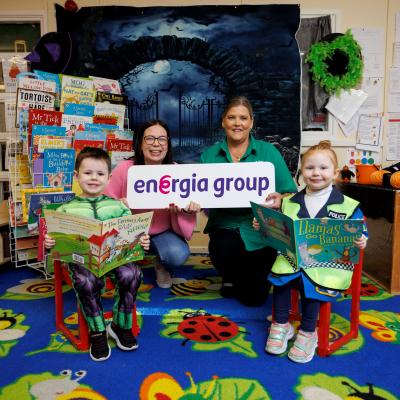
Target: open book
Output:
[(99, 246), (311, 240)]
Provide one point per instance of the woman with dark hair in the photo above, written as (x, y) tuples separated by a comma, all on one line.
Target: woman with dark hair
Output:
[(236, 250), (171, 227)]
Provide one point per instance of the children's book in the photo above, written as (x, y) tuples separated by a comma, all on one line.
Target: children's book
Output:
[(125, 134), (27, 99), (37, 84), (91, 135), (16, 215), (76, 95), (104, 97), (43, 117), (38, 200), (22, 232), (44, 136), (310, 240), (55, 170), (26, 196), (101, 127), (78, 109), (76, 82), (81, 144), (48, 76), (74, 123), (99, 246), (105, 119), (112, 110), (23, 123), (119, 150), (106, 85)]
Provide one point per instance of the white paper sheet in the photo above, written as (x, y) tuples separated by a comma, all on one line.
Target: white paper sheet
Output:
[(372, 42), (351, 127), (397, 27), (393, 138), (344, 106), (369, 133), (396, 54), (394, 103), (375, 89), (394, 80)]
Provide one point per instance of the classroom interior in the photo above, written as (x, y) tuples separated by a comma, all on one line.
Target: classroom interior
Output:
[(381, 264)]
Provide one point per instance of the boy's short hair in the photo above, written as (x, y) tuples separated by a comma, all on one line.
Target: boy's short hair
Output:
[(92, 152)]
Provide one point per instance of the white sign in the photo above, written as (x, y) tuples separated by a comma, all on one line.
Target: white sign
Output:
[(224, 185)]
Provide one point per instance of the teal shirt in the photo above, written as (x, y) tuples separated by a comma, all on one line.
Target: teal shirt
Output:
[(242, 218), (101, 208)]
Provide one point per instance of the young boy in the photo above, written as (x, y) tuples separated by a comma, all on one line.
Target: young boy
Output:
[(92, 171)]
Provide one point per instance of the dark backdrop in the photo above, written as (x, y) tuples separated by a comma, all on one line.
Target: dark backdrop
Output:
[(182, 64)]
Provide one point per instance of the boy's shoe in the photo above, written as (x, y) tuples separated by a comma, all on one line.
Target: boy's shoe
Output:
[(123, 337), (303, 349), (163, 277), (278, 338), (99, 347)]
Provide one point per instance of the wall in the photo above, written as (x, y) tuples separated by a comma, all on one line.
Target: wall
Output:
[(355, 13)]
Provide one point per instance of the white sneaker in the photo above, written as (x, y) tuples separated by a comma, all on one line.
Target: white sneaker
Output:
[(303, 349), (278, 338), (163, 277)]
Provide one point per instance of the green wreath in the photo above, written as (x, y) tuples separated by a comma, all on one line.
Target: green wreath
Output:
[(337, 64)]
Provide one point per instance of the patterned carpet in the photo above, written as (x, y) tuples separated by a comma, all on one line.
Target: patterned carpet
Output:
[(183, 351)]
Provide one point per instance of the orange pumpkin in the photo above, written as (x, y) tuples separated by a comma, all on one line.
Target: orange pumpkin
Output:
[(395, 180), (377, 177)]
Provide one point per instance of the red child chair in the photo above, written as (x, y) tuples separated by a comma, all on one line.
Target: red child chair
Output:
[(80, 340), (326, 347)]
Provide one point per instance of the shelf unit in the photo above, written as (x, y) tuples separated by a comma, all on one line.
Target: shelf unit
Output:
[(21, 256), (27, 36), (4, 214)]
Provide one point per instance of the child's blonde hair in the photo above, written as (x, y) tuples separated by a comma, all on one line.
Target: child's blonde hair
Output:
[(322, 145)]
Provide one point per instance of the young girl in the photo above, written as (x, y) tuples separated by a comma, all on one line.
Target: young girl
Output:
[(319, 199)]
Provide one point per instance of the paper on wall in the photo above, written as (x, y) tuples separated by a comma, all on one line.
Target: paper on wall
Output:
[(374, 102), (369, 133), (344, 106), (397, 27), (396, 54), (393, 138), (351, 127), (372, 42)]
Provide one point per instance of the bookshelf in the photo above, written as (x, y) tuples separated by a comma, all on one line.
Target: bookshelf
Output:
[(4, 193)]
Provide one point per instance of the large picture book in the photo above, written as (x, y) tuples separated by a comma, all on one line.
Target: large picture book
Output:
[(100, 246), (310, 241)]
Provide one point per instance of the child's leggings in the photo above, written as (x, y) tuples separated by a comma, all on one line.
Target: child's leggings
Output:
[(282, 305), (88, 288)]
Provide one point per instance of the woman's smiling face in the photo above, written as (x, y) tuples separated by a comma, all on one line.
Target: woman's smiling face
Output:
[(154, 145)]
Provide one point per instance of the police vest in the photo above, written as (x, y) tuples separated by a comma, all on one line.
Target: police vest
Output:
[(331, 275)]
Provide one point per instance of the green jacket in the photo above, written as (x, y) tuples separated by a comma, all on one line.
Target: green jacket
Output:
[(335, 276), (101, 208)]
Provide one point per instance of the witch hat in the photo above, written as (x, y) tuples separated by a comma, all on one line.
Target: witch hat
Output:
[(52, 53)]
